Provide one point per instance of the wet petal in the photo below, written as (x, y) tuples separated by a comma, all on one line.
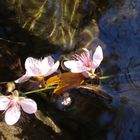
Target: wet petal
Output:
[(28, 105), (4, 101), (97, 57), (12, 115), (22, 79), (52, 69), (74, 66)]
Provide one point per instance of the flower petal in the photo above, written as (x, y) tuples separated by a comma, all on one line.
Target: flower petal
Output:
[(43, 67), (22, 79), (97, 57), (30, 62), (88, 53), (4, 101), (12, 115), (28, 105), (48, 61), (52, 69), (74, 66), (46, 65), (32, 66)]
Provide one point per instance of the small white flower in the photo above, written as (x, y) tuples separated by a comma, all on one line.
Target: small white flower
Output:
[(86, 63), (37, 68), (12, 106)]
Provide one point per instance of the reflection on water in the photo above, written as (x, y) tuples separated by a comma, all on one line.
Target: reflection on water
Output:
[(117, 31)]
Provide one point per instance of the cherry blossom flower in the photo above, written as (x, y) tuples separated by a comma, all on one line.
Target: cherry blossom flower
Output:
[(38, 68), (12, 107), (86, 63)]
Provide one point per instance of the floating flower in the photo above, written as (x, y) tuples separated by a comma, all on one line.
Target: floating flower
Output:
[(38, 68), (12, 106), (86, 63)]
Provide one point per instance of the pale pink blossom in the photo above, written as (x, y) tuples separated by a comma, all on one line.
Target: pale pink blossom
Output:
[(38, 68), (12, 107), (86, 63)]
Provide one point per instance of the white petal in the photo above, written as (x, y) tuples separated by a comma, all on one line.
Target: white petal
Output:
[(28, 105), (97, 57), (12, 115), (52, 69), (74, 66), (22, 79), (48, 61), (46, 64), (43, 67), (32, 66), (30, 62), (4, 101)]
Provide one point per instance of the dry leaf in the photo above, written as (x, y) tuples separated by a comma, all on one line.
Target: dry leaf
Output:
[(65, 81)]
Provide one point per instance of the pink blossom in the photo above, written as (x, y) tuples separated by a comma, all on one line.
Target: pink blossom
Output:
[(86, 63), (37, 68), (12, 107)]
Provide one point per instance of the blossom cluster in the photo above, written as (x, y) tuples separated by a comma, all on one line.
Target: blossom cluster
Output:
[(85, 63)]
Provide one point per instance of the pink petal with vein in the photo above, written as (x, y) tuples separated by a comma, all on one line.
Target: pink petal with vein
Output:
[(28, 105), (12, 115)]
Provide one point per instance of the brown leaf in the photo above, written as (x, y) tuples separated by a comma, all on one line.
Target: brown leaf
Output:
[(65, 81)]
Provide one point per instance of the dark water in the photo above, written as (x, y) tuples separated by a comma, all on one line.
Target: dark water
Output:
[(89, 117), (119, 30)]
